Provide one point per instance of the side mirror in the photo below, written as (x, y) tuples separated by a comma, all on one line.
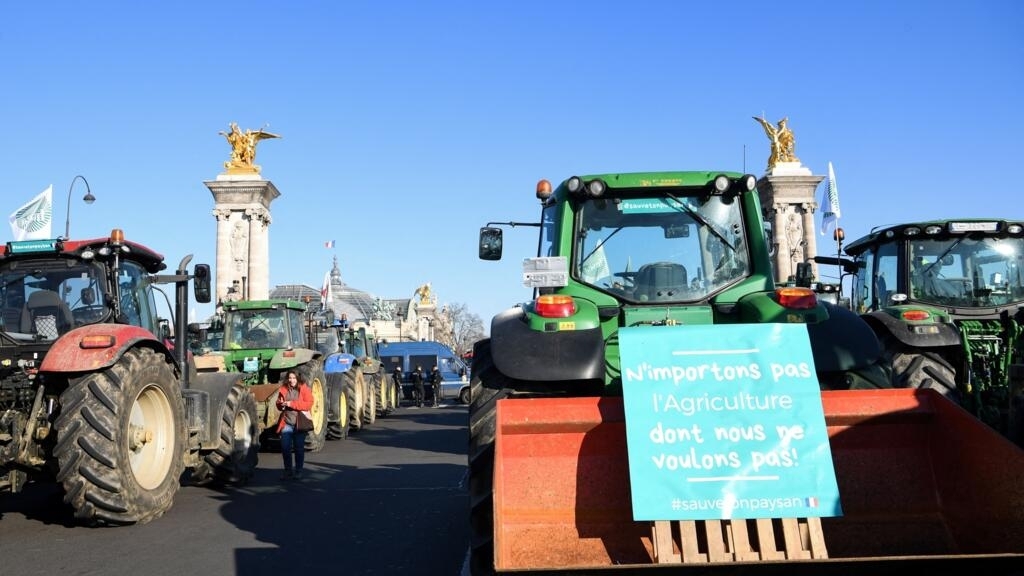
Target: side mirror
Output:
[(490, 243), (201, 283), (88, 296)]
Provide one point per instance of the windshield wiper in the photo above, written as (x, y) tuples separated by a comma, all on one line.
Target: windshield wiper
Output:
[(943, 255), (599, 245), (701, 220)]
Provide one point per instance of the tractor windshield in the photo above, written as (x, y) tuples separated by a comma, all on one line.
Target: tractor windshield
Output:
[(660, 249), (42, 299), (968, 272), (263, 328)]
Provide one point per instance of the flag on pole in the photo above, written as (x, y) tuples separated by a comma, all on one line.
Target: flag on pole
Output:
[(34, 220), (329, 244), (325, 291), (830, 203)]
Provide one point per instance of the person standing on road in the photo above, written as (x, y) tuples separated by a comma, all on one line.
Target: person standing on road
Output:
[(418, 378), (396, 375), (293, 396), (435, 383)]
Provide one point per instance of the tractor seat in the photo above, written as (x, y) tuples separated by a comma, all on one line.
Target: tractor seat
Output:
[(46, 314), (660, 281)]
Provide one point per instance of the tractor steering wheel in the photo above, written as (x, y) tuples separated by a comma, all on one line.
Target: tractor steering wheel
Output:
[(257, 336)]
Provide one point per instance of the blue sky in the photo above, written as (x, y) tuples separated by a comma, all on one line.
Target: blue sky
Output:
[(409, 125)]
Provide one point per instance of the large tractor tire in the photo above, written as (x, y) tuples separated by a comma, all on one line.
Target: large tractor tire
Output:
[(370, 406), (237, 454), (337, 407), (918, 368), (313, 373), (355, 390), (383, 402), (489, 386), (394, 393), (120, 440)]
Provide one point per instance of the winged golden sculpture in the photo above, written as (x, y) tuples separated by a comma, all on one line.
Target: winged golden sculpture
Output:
[(243, 148), (782, 141)]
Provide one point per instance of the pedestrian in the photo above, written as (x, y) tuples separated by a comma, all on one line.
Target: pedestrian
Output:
[(396, 375), (293, 397), (418, 379), (435, 383)]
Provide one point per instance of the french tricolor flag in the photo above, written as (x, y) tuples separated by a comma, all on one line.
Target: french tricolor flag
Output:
[(329, 244), (812, 502)]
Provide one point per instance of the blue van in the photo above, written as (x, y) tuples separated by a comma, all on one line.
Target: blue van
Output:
[(408, 355)]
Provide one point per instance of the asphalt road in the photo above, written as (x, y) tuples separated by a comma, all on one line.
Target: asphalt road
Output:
[(390, 499)]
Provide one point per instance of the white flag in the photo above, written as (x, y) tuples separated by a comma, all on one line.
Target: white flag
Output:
[(34, 220), (595, 266), (325, 292), (830, 203)]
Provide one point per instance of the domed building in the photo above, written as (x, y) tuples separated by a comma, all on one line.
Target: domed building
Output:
[(392, 319)]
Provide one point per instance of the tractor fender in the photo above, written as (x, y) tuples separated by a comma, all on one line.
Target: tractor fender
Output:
[(368, 365), (525, 354), (68, 355), (292, 357), (885, 324), (843, 341), (210, 393), (338, 363)]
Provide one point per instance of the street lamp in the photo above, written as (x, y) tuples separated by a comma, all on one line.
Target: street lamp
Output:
[(88, 199), (401, 317)]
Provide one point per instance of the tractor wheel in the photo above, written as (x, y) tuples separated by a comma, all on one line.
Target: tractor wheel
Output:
[(337, 407), (920, 368), (370, 406), (237, 454), (120, 440), (394, 393), (489, 385), (313, 373), (380, 385), (355, 389)]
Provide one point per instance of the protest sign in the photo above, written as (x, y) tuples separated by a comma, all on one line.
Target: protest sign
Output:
[(725, 421)]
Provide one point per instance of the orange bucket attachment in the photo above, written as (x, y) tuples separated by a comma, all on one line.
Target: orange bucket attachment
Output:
[(919, 478)]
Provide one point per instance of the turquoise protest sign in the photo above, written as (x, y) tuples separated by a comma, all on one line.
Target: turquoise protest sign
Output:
[(725, 422)]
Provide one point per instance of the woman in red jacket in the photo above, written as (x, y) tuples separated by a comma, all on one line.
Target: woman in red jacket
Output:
[(293, 397)]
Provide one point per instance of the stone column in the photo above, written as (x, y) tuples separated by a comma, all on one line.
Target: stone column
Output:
[(810, 243), (223, 262), (242, 208), (789, 190), (259, 253)]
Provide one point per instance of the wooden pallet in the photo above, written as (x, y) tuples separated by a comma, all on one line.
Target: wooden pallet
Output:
[(723, 541)]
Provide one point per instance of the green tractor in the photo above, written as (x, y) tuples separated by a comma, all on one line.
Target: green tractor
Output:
[(263, 339), (945, 298), (663, 249)]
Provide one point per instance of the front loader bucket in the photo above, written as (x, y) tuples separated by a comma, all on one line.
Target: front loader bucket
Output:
[(920, 479)]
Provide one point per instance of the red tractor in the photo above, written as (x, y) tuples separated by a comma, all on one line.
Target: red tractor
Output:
[(93, 394)]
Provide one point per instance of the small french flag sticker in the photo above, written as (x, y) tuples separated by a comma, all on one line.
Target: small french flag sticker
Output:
[(812, 502)]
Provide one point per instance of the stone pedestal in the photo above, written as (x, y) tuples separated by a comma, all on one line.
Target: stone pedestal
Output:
[(787, 202), (426, 316), (242, 209)]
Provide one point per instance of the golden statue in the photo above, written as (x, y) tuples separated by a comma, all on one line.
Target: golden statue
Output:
[(781, 138), (243, 149), (424, 293)]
